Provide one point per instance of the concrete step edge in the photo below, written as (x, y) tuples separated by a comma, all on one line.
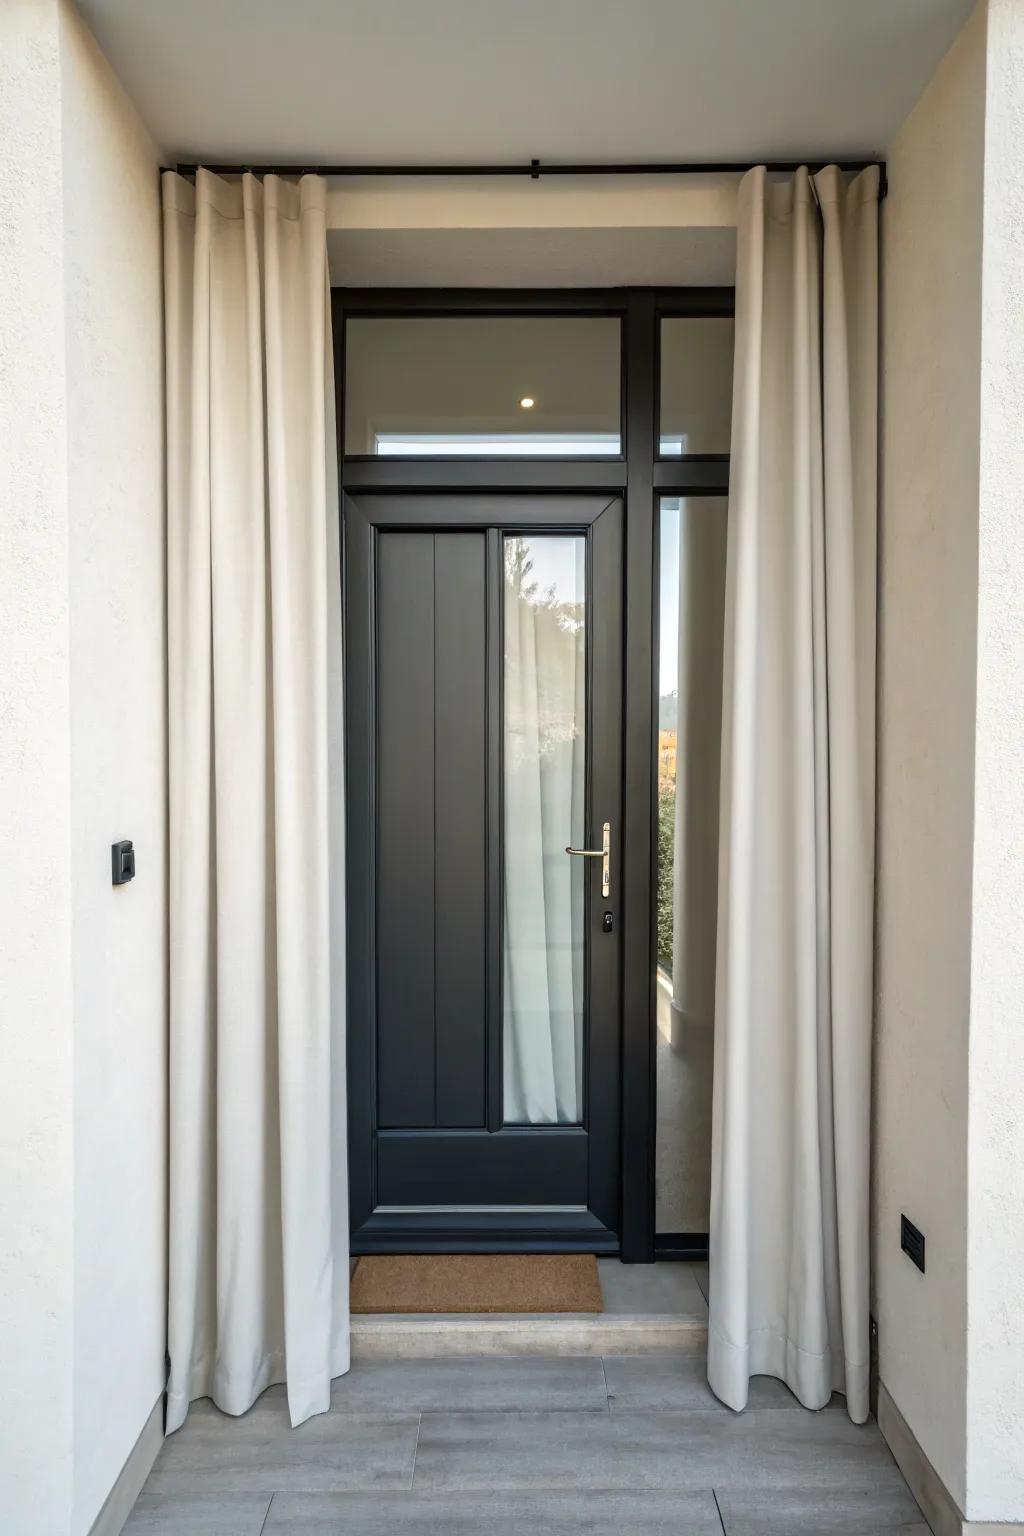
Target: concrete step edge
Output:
[(402, 1336)]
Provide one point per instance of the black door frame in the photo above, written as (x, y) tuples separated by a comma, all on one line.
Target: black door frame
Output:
[(642, 477)]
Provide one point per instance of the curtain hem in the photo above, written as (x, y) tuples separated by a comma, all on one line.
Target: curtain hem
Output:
[(306, 1397), (685, 1020), (807, 1374)]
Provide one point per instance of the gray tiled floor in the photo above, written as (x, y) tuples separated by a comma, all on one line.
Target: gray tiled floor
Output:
[(631, 1444)]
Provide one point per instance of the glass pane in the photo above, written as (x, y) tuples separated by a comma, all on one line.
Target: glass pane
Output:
[(696, 386), (692, 605), (545, 782), (482, 384)]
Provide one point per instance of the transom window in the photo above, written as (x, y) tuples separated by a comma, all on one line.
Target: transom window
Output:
[(483, 386)]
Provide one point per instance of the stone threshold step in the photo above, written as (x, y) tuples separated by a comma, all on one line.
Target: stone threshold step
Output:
[(405, 1336)]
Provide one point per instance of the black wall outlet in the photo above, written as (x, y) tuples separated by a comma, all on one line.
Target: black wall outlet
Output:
[(912, 1242), (122, 862)]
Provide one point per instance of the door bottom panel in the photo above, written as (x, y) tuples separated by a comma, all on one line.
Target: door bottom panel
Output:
[(507, 1167)]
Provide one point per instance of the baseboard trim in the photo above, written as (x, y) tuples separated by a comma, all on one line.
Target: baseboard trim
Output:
[(937, 1504), (689, 1247), (118, 1504)]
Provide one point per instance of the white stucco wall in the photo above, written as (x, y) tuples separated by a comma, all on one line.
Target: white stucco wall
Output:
[(949, 1145), (995, 1254), (35, 809), (931, 262), (113, 309), (82, 762)]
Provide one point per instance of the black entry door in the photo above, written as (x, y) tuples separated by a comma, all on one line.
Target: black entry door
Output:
[(484, 675)]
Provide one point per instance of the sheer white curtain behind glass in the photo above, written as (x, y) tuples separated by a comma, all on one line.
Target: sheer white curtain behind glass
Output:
[(258, 1242), (544, 756), (789, 1219)]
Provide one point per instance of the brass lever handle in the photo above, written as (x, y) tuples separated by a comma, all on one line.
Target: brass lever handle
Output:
[(604, 853)]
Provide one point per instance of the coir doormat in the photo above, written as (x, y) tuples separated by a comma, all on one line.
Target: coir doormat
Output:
[(477, 1282)]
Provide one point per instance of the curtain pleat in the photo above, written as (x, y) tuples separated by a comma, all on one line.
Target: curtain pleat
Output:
[(789, 1233), (258, 1263)]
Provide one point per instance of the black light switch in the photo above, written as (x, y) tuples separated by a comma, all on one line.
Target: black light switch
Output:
[(122, 860), (912, 1242)]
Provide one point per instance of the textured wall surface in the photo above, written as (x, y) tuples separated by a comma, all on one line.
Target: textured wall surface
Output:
[(82, 967), (114, 347), (35, 830), (995, 1334), (932, 229), (950, 982)]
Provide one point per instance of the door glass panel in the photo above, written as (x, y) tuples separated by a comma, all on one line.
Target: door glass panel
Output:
[(544, 749), (696, 385), (692, 604), (486, 385)]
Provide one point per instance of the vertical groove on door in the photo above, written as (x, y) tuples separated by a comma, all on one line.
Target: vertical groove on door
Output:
[(405, 847), (460, 856)]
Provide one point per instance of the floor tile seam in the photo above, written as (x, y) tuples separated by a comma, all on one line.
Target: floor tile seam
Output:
[(270, 1505), (415, 1452)]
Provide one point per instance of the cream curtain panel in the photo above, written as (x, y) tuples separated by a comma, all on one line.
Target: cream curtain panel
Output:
[(258, 1261), (789, 1219)]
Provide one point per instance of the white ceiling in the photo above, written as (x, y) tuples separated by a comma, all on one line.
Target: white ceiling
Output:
[(413, 81)]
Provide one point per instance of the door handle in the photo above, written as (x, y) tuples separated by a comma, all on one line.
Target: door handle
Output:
[(604, 853)]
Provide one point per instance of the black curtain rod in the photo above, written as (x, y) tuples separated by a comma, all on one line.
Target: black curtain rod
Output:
[(535, 169)]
